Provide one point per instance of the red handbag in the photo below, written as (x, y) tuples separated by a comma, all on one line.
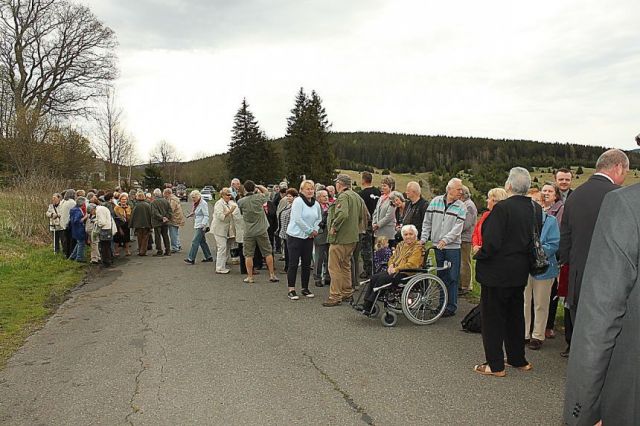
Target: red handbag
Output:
[(563, 281)]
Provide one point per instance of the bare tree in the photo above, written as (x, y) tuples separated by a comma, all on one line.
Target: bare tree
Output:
[(113, 144), (165, 154), (56, 55)]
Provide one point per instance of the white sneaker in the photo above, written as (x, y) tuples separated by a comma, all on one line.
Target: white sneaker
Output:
[(222, 271)]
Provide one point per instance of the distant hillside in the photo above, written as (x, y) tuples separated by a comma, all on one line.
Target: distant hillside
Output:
[(403, 153)]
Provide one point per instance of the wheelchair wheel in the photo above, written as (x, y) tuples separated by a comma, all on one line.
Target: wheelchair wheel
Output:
[(424, 299), (389, 319)]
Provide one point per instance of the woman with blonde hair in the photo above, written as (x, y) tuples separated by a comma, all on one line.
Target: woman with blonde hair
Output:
[(494, 196), (122, 212), (303, 227), (383, 219)]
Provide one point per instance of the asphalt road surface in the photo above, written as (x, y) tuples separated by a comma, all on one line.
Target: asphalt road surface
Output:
[(154, 341)]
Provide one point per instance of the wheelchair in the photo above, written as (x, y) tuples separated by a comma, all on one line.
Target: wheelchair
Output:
[(421, 297)]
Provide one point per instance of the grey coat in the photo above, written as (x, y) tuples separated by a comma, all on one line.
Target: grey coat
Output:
[(603, 378), (385, 217)]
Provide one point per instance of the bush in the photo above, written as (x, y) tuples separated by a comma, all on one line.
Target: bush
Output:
[(23, 205)]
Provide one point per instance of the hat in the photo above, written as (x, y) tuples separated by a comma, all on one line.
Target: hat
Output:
[(343, 179)]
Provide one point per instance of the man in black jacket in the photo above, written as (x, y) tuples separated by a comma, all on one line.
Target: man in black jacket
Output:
[(370, 195), (502, 269), (579, 218), (415, 207)]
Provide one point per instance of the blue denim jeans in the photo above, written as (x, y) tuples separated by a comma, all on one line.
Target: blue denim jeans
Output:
[(78, 251), (174, 236), (199, 240), (450, 276)]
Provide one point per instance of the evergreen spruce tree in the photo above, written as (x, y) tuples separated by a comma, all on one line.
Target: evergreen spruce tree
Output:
[(250, 154), (307, 148)]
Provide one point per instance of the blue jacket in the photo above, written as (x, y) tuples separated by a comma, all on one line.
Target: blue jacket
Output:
[(77, 226), (304, 219), (550, 239)]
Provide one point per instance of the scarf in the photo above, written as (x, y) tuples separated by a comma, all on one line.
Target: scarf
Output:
[(309, 203)]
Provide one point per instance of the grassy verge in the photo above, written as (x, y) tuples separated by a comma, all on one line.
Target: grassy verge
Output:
[(33, 282)]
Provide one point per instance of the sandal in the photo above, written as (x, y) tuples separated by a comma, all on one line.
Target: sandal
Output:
[(249, 280), (485, 370), (527, 367)]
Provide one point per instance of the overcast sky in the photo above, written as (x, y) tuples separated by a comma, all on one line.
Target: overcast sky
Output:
[(564, 71)]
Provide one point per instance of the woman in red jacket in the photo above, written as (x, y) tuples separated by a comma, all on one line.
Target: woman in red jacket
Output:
[(493, 196)]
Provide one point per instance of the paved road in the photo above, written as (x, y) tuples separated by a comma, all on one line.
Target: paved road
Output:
[(155, 341)]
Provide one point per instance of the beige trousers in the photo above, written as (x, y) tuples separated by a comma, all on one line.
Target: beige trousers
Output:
[(540, 290), (340, 271), (466, 283)]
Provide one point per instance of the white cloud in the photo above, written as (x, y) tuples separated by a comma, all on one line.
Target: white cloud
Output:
[(553, 71)]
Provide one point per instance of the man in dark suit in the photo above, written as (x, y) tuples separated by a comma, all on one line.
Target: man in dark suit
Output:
[(580, 214), (502, 269), (603, 374)]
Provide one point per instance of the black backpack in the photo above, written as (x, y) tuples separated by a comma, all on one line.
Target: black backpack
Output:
[(472, 322)]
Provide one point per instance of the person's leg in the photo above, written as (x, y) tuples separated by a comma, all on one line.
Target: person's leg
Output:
[(249, 249), (243, 264), (376, 281), (528, 296), (80, 249), (150, 239), (493, 326), (465, 267), (278, 243), (335, 294), (294, 245), (514, 326), (173, 236), (195, 243), (541, 294), (325, 268), (285, 248), (366, 251), (72, 255), (105, 253), (553, 306), (157, 237), (453, 256), (306, 254), (204, 245), (317, 264), (143, 240), (346, 287), (165, 239), (221, 253)]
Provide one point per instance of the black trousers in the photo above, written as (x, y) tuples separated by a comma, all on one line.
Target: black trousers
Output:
[(503, 325), (553, 306), (286, 255), (57, 241), (299, 249), (376, 281), (569, 322), (105, 252), (162, 236), (68, 243)]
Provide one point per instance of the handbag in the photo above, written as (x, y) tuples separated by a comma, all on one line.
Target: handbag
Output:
[(106, 234), (539, 261)]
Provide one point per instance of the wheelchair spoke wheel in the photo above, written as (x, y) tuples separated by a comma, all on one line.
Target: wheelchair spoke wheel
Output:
[(424, 299)]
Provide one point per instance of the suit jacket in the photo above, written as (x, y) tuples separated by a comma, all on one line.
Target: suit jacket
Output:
[(579, 217), (603, 378), (507, 243)]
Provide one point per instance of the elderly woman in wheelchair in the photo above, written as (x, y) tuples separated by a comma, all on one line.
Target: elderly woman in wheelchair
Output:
[(408, 286)]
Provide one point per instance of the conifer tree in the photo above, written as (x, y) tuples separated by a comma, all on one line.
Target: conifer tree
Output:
[(307, 148), (250, 154)]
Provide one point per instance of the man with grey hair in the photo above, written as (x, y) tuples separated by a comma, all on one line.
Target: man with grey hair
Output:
[(579, 218), (442, 225), (161, 214), (176, 221), (236, 188), (502, 269), (466, 280), (69, 202)]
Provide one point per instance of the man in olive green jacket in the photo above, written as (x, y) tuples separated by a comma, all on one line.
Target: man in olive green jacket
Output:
[(344, 223)]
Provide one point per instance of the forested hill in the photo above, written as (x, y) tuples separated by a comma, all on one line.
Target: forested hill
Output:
[(403, 153)]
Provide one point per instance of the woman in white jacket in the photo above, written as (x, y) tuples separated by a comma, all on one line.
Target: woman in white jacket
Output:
[(221, 228), (104, 222)]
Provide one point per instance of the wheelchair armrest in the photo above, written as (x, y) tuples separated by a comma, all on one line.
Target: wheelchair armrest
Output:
[(411, 271)]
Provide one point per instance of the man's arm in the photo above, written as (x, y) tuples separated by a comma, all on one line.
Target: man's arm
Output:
[(565, 237), (426, 225), (609, 278), (341, 211)]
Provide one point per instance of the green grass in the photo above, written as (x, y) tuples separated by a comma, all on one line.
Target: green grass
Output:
[(33, 282)]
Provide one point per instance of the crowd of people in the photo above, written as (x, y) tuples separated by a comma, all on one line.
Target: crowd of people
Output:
[(325, 230)]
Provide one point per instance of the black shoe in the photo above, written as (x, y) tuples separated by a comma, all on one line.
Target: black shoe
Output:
[(207, 260), (327, 282), (565, 353), (159, 253), (448, 314), (319, 284), (189, 261), (307, 293), (293, 295)]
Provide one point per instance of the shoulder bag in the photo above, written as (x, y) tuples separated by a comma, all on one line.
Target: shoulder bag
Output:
[(539, 262)]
